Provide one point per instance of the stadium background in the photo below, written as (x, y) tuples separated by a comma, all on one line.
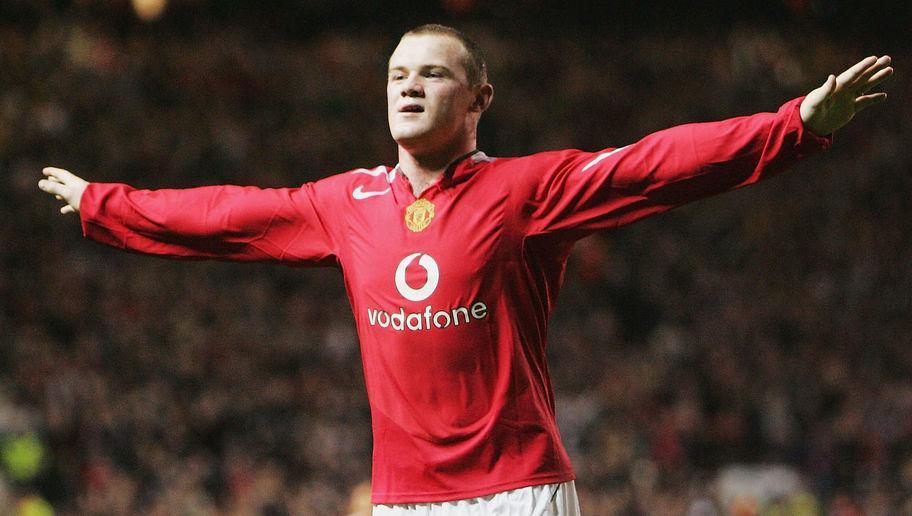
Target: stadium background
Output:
[(746, 354)]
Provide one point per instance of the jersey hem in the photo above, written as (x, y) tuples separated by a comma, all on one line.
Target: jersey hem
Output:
[(453, 496)]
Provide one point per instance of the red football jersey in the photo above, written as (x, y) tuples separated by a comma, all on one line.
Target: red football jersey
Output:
[(452, 290)]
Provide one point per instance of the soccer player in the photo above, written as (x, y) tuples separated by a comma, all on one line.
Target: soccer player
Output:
[(453, 260)]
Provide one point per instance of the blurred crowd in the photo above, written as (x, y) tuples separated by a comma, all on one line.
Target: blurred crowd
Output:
[(748, 354)]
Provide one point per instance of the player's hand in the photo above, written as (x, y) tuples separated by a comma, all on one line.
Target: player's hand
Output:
[(65, 186), (832, 105)]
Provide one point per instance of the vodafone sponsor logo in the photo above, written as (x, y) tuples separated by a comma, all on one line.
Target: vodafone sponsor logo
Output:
[(433, 277), (429, 318), (402, 320)]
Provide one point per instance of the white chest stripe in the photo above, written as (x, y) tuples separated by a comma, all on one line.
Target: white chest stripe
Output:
[(602, 156), (376, 172)]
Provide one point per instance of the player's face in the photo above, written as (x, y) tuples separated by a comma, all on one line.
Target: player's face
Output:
[(429, 100)]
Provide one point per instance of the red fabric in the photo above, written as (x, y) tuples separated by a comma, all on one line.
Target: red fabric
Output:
[(454, 350)]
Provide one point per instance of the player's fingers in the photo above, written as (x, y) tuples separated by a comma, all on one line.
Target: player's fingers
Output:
[(830, 85), (869, 100), (820, 94), (50, 171), (59, 198), (58, 173), (849, 76), (825, 91), (877, 78), (51, 187), (67, 209), (865, 76)]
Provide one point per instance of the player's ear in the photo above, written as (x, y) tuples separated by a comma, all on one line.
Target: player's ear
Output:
[(484, 94)]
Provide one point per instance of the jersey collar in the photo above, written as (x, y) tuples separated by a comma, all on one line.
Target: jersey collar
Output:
[(457, 169)]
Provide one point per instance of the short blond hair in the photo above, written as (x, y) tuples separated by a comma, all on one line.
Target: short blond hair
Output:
[(475, 67)]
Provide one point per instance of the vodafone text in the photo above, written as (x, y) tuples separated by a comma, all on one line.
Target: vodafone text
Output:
[(428, 319)]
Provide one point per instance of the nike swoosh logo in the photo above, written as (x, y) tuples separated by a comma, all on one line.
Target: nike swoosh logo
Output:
[(360, 194)]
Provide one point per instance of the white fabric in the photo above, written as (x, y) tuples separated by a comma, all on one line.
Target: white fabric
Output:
[(543, 500)]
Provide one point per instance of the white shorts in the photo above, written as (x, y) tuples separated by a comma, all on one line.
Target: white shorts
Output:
[(543, 500)]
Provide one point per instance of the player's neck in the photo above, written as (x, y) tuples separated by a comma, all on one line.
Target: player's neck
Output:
[(424, 169)]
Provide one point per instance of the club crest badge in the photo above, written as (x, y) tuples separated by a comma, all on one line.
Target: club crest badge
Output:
[(419, 215)]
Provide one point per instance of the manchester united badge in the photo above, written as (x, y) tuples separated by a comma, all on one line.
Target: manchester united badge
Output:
[(419, 215)]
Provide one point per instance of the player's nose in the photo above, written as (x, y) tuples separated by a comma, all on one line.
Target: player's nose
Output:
[(412, 87)]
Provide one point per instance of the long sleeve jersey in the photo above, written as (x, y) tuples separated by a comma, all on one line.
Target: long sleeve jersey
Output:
[(452, 290)]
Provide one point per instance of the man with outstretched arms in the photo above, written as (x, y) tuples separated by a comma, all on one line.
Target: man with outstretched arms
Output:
[(453, 259)]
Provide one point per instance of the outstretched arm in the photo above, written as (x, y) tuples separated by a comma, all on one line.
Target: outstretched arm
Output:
[(223, 222), (832, 105), (576, 192)]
